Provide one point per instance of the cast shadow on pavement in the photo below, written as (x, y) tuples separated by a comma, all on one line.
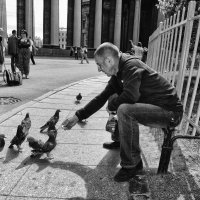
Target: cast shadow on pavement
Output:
[(11, 154), (98, 180)]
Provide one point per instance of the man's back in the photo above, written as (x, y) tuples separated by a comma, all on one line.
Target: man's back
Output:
[(12, 45)]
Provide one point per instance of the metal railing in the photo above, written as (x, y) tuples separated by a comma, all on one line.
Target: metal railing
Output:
[(174, 52)]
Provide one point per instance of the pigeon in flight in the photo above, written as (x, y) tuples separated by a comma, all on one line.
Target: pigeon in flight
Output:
[(19, 138), (2, 141), (54, 119), (78, 98)]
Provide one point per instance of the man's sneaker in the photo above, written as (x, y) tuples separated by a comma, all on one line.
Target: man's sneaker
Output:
[(125, 174), (111, 145)]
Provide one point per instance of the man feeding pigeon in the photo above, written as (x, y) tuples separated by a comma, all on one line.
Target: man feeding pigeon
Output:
[(143, 96)]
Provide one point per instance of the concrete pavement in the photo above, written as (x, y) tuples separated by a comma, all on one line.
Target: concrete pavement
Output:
[(81, 168)]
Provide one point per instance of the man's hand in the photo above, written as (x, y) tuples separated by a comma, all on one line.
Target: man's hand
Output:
[(70, 122)]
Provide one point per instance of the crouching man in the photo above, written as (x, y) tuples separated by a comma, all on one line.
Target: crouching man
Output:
[(143, 96)]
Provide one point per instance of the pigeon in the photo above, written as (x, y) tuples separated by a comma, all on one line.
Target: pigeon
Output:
[(26, 123), (19, 138), (2, 141), (78, 98), (39, 147), (35, 144), (53, 119)]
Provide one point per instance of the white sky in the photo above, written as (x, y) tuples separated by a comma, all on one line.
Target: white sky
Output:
[(12, 18)]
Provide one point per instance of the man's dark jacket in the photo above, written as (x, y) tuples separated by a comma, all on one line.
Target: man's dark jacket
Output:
[(135, 83), (13, 45)]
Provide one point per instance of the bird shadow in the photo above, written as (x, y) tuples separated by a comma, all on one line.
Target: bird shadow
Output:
[(77, 102), (42, 163), (11, 154)]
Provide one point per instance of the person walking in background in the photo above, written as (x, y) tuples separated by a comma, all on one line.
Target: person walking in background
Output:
[(144, 57), (81, 54), (76, 53), (137, 49), (3, 47), (32, 50), (24, 54), (71, 51), (1, 52), (84, 54), (13, 50)]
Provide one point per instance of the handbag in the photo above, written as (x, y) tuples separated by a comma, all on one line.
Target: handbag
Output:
[(12, 79)]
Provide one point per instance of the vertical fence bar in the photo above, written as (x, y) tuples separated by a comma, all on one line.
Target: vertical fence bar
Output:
[(158, 46), (168, 67), (168, 34), (164, 46), (186, 44), (178, 50), (172, 64)]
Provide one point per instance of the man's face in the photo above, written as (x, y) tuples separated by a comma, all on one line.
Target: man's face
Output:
[(105, 65)]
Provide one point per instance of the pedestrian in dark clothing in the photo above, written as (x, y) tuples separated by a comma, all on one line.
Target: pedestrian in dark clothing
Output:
[(13, 49), (76, 53), (71, 51), (24, 54), (33, 49), (143, 96)]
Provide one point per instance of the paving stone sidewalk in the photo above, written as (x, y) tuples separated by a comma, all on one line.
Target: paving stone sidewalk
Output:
[(81, 168)]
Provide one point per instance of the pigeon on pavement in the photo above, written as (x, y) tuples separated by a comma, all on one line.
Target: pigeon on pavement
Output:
[(39, 147), (78, 98), (2, 141), (54, 119), (26, 124), (19, 138), (35, 144)]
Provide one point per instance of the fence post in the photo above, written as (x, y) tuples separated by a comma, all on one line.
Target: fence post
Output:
[(186, 45), (158, 46)]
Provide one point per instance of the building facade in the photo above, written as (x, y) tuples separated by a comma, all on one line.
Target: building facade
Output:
[(116, 21), (63, 38), (92, 22)]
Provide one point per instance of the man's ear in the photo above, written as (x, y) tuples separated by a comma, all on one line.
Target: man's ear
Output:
[(110, 60)]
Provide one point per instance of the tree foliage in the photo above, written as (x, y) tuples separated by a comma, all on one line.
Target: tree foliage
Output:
[(169, 7)]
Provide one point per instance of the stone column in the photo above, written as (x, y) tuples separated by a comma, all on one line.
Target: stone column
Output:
[(98, 21), (70, 20), (3, 27), (3, 19), (136, 27), (20, 15), (46, 23), (91, 24), (29, 17), (55, 22), (117, 30), (77, 23)]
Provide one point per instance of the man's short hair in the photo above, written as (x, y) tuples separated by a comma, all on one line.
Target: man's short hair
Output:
[(14, 31), (107, 48)]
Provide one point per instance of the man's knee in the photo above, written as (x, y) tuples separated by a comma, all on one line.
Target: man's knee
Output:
[(122, 110)]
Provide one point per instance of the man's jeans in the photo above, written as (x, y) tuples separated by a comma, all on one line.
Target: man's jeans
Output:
[(129, 115), (14, 60)]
